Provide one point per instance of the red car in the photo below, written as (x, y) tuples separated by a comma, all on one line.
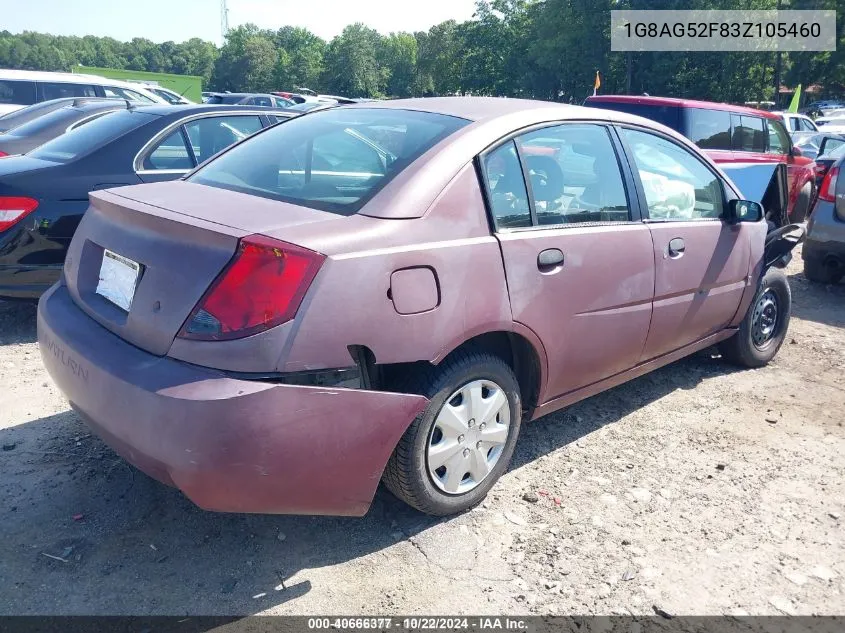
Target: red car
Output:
[(386, 291), (728, 134)]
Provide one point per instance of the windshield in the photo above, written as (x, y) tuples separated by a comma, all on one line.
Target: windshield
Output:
[(334, 160), (89, 137)]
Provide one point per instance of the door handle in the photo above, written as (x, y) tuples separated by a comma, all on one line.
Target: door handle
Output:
[(549, 259), (676, 248)]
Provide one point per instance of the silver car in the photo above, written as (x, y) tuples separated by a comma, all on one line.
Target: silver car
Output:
[(824, 249)]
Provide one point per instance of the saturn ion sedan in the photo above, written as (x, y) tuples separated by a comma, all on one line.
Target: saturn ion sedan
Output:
[(384, 292)]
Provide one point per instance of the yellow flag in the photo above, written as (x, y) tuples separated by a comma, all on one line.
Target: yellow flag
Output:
[(793, 105), (597, 83)]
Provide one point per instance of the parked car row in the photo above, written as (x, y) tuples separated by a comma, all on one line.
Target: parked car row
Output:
[(509, 258)]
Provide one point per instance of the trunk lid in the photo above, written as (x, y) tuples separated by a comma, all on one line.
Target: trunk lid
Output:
[(182, 235)]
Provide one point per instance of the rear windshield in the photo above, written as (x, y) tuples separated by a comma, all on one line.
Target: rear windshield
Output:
[(90, 136), (46, 121), (334, 160), (230, 99), (670, 116)]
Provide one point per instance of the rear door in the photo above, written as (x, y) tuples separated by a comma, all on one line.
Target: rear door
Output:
[(175, 151), (701, 262), (578, 260)]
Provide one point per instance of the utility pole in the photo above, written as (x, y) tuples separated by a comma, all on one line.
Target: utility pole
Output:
[(778, 67), (224, 19)]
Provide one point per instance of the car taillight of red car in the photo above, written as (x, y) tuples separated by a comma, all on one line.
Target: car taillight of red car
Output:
[(261, 287), (13, 209)]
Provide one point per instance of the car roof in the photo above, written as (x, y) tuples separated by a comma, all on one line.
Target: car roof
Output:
[(681, 103), (38, 75), (470, 108), (198, 108)]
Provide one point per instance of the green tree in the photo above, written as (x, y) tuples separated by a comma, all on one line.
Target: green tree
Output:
[(351, 64)]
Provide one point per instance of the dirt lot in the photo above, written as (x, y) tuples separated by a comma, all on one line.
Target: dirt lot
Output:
[(699, 489)]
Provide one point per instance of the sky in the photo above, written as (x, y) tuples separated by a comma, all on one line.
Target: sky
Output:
[(180, 20)]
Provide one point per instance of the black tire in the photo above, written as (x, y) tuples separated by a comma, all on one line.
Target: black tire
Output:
[(406, 474), (818, 271), (802, 205), (741, 348)]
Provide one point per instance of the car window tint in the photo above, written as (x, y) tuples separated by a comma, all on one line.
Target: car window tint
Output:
[(334, 160), (778, 138), (17, 92), (709, 129), (213, 134), (794, 123), (669, 116), (574, 174), (171, 153), (750, 134), (677, 185), (51, 90), (89, 137), (506, 187)]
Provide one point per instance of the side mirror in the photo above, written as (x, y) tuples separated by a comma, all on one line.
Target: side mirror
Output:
[(744, 211), (796, 152)]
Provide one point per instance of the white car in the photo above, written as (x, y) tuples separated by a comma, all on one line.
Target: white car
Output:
[(834, 122), (171, 96), (797, 122), (19, 88)]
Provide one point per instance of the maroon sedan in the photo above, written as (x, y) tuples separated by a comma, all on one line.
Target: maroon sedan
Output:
[(384, 292)]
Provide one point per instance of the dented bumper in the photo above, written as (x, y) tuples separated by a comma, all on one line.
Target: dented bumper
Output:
[(230, 445)]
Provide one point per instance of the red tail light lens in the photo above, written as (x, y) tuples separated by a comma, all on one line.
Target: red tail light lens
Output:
[(827, 191), (260, 288), (13, 209), (2, 154)]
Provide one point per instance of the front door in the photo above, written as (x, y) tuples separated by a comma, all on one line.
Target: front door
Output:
[(578, 260), (701, 262)]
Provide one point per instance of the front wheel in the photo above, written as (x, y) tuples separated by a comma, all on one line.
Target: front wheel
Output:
[(457, 448), (764, 327)]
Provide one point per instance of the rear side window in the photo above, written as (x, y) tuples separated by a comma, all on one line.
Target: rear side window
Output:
[(334, 160), (709, 129), (794, 123), (574, 175), (210, 135), (677, 185), (17, 92), (171, 153), (749, 134), (58, 90), (91, 136), (506, 187)]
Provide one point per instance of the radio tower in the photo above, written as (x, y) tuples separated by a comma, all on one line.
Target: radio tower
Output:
[(224, 18)]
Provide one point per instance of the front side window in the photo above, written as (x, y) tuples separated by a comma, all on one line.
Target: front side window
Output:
[(574, 175), (750, 134), (15, 92), (263, 102), (210, 135), (677, 185), (171, 153), (506, 186), (56, 90), (778, 138), (709, 129), (333, 160), (808, 126)]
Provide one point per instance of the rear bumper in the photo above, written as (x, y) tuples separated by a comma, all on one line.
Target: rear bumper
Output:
[(825, 234), (230, 445)]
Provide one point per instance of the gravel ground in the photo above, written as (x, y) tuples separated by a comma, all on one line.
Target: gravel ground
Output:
[(699, 489)]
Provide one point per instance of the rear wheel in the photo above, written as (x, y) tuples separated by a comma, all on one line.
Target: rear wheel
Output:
[(764, 327), (456, 450), (802, 204), (819, 271)]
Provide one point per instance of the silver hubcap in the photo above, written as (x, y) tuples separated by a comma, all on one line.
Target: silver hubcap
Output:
[(468, 436), (765, 319)]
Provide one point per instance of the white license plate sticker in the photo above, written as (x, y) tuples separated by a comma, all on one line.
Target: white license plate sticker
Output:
[(118, 279)]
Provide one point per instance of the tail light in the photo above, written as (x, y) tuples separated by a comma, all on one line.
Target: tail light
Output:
[(827, 191), (2, 154), (13, 209), (260, 288)]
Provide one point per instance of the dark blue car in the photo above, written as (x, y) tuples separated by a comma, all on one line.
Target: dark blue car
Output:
[(43, 194)]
